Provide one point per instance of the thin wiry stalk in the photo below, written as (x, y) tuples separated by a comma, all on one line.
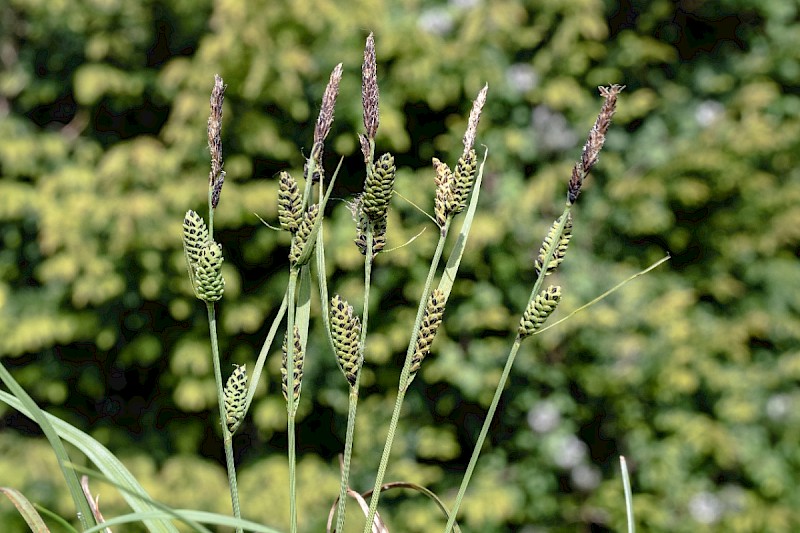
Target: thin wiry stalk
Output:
[(588, 158), (290, 403), (227, 437), (626, 487), (369, 100), (484, 432), (215, 180), (353, 398), (404, 378)]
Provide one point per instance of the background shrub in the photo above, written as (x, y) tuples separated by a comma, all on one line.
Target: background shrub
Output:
[(691, 372)]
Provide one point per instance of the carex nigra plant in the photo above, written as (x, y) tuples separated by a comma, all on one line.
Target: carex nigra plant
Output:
[(301, 213), (301, 205)]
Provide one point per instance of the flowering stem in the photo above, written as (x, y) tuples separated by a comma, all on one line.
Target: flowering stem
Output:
[(227, 437), (290, 402), (404, 380)]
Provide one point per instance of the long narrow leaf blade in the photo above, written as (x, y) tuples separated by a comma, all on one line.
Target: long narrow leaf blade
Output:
[(105, 461), (26, 510), (187, 514), (36, 414)]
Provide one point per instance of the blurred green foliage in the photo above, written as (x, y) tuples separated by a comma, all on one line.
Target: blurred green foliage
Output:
[(691, 372)]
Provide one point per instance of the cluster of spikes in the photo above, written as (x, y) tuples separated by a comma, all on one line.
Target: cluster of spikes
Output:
[(346, 334), (551, 254), (203, 259), (554, 246), (453, 188), (292, 218), (370, 209)]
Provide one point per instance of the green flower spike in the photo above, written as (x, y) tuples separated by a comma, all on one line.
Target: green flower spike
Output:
[(378, 187), (235, 394), (290, 208), (209, 284), (541, 307), (444, 202), (302, 235), (346, 332), (195, 236), (463, 180), (560, 243), (427, 331), (297, 379)]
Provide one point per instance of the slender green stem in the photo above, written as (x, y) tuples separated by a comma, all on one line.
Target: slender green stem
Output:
[(262, 355), (626, 486), (83, 510), (290, 403), (353, 403), (503, 378), (227, 437), (403, 386), (476, 452), (348, 452), (602, 296)]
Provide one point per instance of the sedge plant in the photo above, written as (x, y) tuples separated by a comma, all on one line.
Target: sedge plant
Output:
[(301, 210)]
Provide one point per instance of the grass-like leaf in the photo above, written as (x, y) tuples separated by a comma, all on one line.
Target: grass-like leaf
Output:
[(106, 462), (35, 413), (188, 515), (26, 510)]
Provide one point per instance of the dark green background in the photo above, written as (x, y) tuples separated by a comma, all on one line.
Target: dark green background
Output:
[(691, 371)]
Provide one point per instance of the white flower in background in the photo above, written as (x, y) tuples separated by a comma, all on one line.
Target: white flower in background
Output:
[(708, 112), (437, 21), (569, 452), (552, 129), (522, 77), (778, 406), (705, 508), (544, 417), (585, 477)]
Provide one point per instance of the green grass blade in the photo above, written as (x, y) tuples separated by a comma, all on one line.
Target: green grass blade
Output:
[(26, 510), (186, 515), (626, 485), (105, 461), (58, 519), (36, 414), (262, 355)]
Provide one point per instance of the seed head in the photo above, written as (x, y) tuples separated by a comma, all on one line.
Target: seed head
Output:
[(235, 395), (541, 307), (369, 88), (216, 177), (325, 119), (595, 141), (474, 118)]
